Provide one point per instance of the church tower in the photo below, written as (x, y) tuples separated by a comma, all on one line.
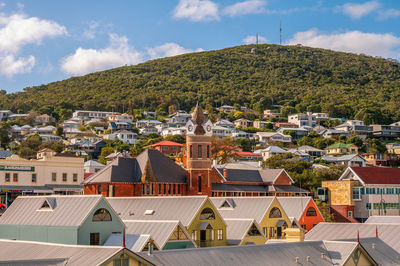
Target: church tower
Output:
[(198, 153)]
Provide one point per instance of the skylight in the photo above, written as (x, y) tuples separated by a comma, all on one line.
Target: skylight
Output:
[(149, 212)]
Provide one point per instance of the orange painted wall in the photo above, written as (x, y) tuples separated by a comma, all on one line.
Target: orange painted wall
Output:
[(310, 221), (283, 179)]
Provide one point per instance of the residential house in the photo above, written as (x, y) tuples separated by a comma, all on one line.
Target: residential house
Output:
[(313, 152), (50, 173), (348, 160), (272, 151), (243, 123), (302, 211), (4, 114), (226, 108), (146, 130), (301, 253), (221, 131), (298, 132), (73, 220), (268, 137), (340, 148), (248, 156), (170, 131), (91, 146), (266, 211), (179, 118), (167, 147), (225, 123), (127, 137), (383, 220), (14, 252), (44, 119), (13, 117), (149, 123), (92, 166), (355, 127), (118, 117), (50, 138), (334, 133), (115, 126), (88, 115), (271, 114), (393, 148), (239, 134), (197, 214), (285, 125), (133, 242), (380, 159), (244, 232), (302, 120), (386, 131), (364, 191), (321, 116), (300, 154), (261, 124)]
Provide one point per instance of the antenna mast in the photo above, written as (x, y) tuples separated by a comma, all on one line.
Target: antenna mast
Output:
[(256, 38), (280, 32)]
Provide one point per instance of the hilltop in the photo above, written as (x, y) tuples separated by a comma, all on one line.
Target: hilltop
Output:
[(300, 78)]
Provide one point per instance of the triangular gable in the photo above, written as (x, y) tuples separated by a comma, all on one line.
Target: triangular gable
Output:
[(347, 172), (148, 175), (215, 210), (228, 203), (356, 255), (254, 230), (280, 174)]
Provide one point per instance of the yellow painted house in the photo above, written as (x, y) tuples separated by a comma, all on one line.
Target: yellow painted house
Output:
[(266, 211), (197, 214), (244, 232)]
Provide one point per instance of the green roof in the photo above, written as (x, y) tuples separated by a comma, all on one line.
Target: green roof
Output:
[(339, 145)]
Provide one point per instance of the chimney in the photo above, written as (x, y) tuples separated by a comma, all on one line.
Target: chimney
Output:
[(150, 249), (214, 162), (225, 173), (123, 239), (294, 234)]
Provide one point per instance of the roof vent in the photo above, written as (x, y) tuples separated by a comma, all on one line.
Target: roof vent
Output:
[(297, 259), (149, 212), (131, 213), (308, 258), (373, 246), (323, 256)]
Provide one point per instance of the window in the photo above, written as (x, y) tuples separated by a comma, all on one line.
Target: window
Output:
[(178, 234), (121, 262), (95, 239), (265, 231), (208, 151), (147, 189), (159, 188), (271, 232), (356, 193), (311, 212), (199, 152), (199, 184), (64, 177), (212, 235), (368, 206), (33, 178), (253, 231), (101, 215), (179, 189), (169, 189), (165, 189), (7, 177), (207, 214), (389, 190), (174, 189), (349, 214), (174, 148), (15, 177), (220, 234), (397, 190), (191, 151), (54, 177), (164, 148), (194, 235), (275, 213), (75, 177), (99, 189)]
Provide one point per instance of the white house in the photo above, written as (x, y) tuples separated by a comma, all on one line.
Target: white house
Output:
[(127, 137), (302, 120), (272, 151), (266, 137)]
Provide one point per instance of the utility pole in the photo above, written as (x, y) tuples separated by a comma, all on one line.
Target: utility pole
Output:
[(280, 32), (256, 38)]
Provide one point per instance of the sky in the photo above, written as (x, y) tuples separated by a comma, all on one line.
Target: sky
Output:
[(42, 41)]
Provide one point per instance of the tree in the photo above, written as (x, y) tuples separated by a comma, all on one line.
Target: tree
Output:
[(59, 131), (5, 128), (245, 144), (105, 151), (176, 138), (356, 140), (223, 150)]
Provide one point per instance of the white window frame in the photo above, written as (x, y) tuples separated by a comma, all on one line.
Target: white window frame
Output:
[(220, 234), (194, 235)]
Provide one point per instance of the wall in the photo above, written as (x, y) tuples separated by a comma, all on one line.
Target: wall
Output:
[(257, 240), (271, 222), (340, 191), (105, 228), (310, 221), (283, 179), (217, 223)]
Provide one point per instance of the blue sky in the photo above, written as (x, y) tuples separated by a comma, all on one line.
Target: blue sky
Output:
[(45, 40)]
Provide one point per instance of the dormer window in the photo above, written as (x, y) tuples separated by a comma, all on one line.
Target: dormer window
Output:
[(228, 203), (48, 204), (102, 215)]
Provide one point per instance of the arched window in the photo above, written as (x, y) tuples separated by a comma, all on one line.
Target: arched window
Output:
[(207, 214), (275, 213), (101, 215), (311, 212)]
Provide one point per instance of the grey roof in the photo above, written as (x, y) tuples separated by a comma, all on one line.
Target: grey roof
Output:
[(249, 174), (93, 163), (239, 188), (294, 206), (160, 231), (130, 170), (134, 242), (383, 219), (5, 153), (182, 208), (284, 188), (388, 233), (343, 158), (269, 254), (237, 229), (66, 210), (11, 250), (309, 148), (243, 207)]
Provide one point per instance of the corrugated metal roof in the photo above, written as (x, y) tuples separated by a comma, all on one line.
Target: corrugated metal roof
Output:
[(134, 242), (294, 206), (68, 210), (160, 231), (388, 233), (182, 208), (269, 254), (239, 188), (76, 255), (245, 207), (383, 219), (236, 230)]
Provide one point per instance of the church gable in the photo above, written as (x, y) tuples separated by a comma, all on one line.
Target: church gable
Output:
[(283, 179)]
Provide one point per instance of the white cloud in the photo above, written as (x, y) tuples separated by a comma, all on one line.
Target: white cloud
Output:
[(169, 49), (2, 4), (118, 53), (196, 10), (357, 11), (375, 44), (245, 7), (17, 31), (388, 13), (252, 39), (90, 32)]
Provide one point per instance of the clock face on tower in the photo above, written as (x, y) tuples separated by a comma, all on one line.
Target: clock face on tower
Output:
[(208, 128), (190, 128)]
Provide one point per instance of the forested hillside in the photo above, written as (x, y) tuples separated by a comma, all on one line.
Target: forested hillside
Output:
[(300, 78)]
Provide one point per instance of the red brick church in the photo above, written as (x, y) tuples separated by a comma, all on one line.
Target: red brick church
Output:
[(151, 173)]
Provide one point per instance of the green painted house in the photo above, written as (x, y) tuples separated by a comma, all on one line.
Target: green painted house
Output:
[(76, 220)]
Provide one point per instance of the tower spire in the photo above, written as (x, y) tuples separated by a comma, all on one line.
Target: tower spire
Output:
[(280, 32)]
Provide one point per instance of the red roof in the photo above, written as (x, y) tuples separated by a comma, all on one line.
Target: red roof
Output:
[(167, 143), (378, 175), (86, 175), (247, 153)]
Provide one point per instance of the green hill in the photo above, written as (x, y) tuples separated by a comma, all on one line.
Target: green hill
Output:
[(300, 78)]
